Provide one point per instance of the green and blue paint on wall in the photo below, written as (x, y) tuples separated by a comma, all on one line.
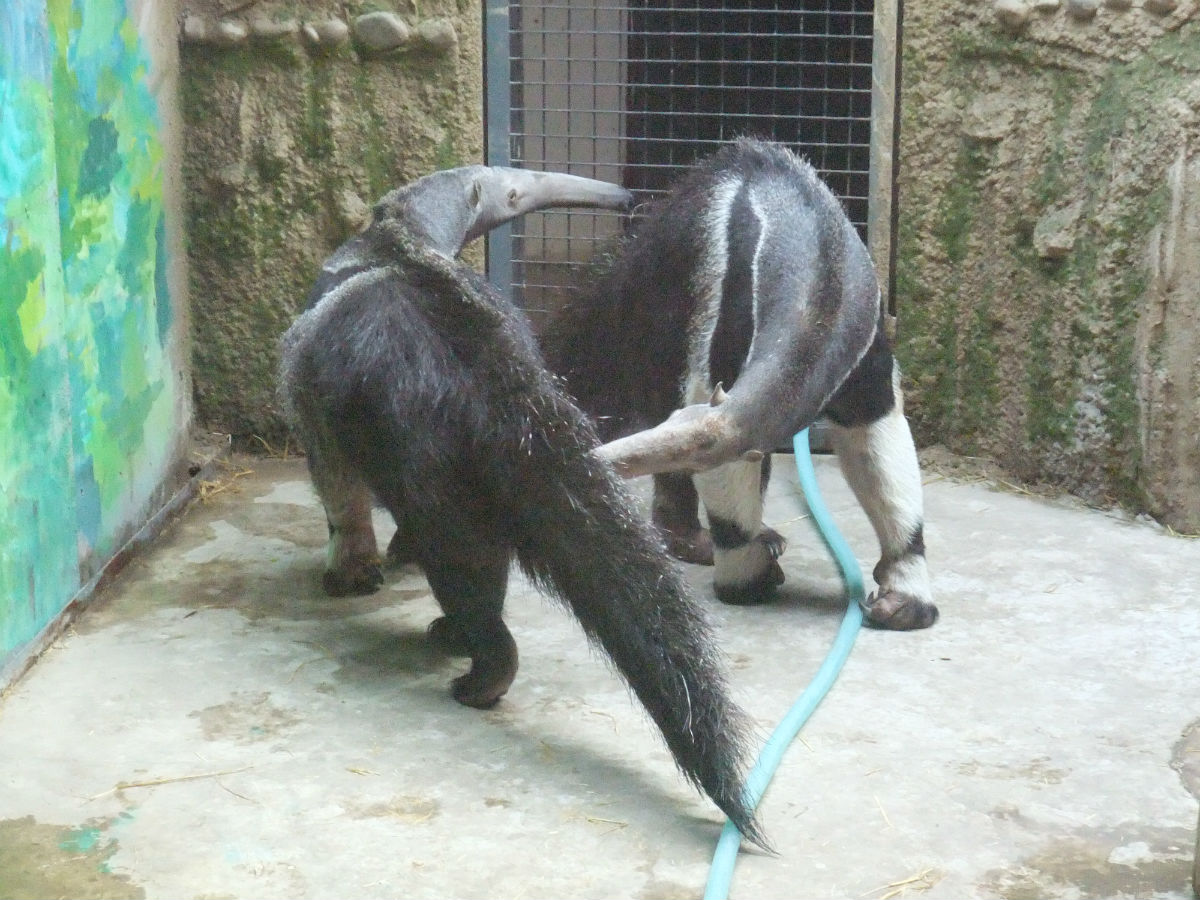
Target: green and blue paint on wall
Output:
[(87, 397)]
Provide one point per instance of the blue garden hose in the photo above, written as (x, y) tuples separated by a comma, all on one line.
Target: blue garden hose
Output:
[(721, 872)]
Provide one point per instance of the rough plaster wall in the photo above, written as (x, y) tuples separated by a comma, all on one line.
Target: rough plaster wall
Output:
[(289, 142), (1168, 347), (1049, 246)]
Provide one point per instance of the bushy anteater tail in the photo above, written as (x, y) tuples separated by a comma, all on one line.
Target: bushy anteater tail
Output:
[(580, 536)]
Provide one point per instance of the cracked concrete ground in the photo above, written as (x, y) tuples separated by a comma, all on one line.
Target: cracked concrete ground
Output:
[(213, 726)]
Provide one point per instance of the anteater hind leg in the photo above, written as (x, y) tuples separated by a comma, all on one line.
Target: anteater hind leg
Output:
[(676, 514), (875, 448), (402, 547), (744, 552), (469, 584), (352, 564)]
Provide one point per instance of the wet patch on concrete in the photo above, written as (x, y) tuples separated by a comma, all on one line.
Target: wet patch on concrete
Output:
[(263, 558), (290, 592), (372, 654), (299, 525), (1036, 771), (1136, 861), (411, 810), (290, 493), (286, 587), (41, 860), (245, 719), (229, 541)]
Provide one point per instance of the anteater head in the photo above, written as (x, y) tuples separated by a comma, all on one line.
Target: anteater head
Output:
[(451, 208)]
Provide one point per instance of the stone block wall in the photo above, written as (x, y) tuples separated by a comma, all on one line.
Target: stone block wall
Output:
[(1048, 278)]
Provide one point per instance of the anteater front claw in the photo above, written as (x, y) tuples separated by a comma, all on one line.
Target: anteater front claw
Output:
[(895, 611)]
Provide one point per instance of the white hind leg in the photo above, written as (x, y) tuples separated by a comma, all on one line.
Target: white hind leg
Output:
[(744, 551), (880, 464)]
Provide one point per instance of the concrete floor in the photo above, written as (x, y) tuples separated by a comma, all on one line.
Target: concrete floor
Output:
[(213, 726)]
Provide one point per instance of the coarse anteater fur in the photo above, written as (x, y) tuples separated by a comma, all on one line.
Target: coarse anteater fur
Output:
[(741, 307), (412, 383)]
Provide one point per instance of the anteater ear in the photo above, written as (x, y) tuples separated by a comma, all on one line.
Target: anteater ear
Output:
[(475, 196)]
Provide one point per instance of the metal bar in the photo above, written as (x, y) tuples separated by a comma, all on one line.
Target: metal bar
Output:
[(497, 87), (883, 120), (894, 193)]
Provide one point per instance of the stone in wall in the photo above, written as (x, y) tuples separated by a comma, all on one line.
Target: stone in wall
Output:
[(381, 31), (328, 34), (264, 28), (1083, 10), (1055, 232), (1160, 7), (1012, 14), (991, 116)]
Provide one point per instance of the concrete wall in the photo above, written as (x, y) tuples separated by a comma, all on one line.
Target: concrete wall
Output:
[(299, 116), (94, 394), (1049, 242)]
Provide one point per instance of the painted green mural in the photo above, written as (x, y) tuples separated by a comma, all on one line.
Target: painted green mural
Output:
[(87, 401)]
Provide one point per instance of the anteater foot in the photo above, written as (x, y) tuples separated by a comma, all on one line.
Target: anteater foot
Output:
[(898, 612), (760, 590), (486, 683), (479, 691), (691, 546), (493, 667), (359, 576), (775, 542)]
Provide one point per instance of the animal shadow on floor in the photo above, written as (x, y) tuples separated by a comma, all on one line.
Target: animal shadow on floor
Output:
[(407, 680)]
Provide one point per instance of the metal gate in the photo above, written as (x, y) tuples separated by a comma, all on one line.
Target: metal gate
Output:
[(634, 91)]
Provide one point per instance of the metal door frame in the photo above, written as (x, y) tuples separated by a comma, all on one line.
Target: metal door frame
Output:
[(884, 132)]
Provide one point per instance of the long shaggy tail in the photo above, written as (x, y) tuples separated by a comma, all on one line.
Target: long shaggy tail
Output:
[(579, 535), (443, 408)]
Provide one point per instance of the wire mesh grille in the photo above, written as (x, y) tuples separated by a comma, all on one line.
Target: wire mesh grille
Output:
[(635, 91)]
